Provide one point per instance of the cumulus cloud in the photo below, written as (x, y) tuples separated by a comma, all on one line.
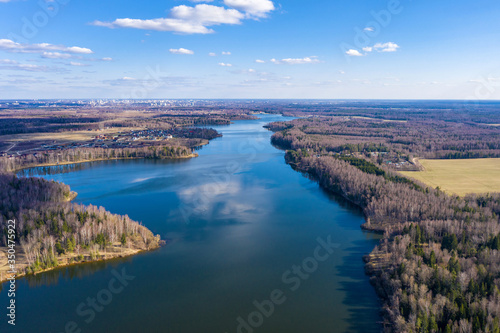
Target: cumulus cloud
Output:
[(354, 53), (297, 61), (386, 47), (198, 19), (225, 65), (260, 61), (226, 53), (212, 54), (371, 29), (11, 46), (181, 51), (380, 47), (253, 8), (182, 19)]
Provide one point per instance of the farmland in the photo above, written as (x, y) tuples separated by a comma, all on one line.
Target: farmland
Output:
[(460, 176)]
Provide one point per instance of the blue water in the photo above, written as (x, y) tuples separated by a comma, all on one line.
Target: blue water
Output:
[(237, 219)]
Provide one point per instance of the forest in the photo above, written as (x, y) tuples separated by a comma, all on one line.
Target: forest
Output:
[(55, 157), (422, 138), (49, 226), (437, 268), (61, 117), (50, 230)]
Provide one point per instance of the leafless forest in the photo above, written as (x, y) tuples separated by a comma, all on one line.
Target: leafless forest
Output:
[(437, 268)]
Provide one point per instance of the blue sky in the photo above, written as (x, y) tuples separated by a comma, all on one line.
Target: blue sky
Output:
[(338, 49)]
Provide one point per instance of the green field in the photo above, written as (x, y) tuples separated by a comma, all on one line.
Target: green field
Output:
[(460, 176)]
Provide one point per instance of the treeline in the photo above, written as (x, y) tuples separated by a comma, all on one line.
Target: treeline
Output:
[(48, 226), (386, 198), (196, 133), (437, 267), (14, 125), (423, 138), (449, 111), (9, 164)]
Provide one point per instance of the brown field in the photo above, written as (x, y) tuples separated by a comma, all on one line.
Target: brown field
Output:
[(460, 176), (64, 136), (27, 141)]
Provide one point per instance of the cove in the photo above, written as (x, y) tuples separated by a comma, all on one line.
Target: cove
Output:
[(252, 246)]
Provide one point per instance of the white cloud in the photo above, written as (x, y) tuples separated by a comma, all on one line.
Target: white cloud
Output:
[(386, 47), (253, 8), (380, 47), (107, 59), (212, 54), (297, 61), (79, 64), (8, 61), (226, 53), (11, 46), (126, 78), (56, 55), (260, 61), (225, 65), (353, 53), (14, 65), (182, 19), (181, 51), (371, 29), (198, 1)]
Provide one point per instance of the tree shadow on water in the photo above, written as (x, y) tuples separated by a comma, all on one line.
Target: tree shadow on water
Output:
[(361, 300)]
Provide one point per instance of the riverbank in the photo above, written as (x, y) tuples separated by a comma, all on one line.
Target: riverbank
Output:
[(428, 235), (45, 230), (111, 252), (368, 225), (42, 165), (23, 265)]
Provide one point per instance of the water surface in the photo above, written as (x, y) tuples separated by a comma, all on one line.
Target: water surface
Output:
[(237, 219)]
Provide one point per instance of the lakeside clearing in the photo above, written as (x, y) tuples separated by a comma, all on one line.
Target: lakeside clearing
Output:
[(460, 176)]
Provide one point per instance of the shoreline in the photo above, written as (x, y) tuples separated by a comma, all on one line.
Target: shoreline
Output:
[(193, 155), (66, 260), (71, 259), (367, 226)]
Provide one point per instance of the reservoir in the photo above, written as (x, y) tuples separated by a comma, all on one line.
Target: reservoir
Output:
[(252, 246)]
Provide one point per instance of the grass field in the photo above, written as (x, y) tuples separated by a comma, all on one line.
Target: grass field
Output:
[(460, 176)]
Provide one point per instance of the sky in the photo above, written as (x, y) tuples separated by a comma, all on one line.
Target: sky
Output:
[(254, 49)]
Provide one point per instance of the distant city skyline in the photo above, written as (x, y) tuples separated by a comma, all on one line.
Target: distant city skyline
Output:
[(249, 49)]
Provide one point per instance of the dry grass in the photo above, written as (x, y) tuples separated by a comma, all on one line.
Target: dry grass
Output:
[(460, 176)]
